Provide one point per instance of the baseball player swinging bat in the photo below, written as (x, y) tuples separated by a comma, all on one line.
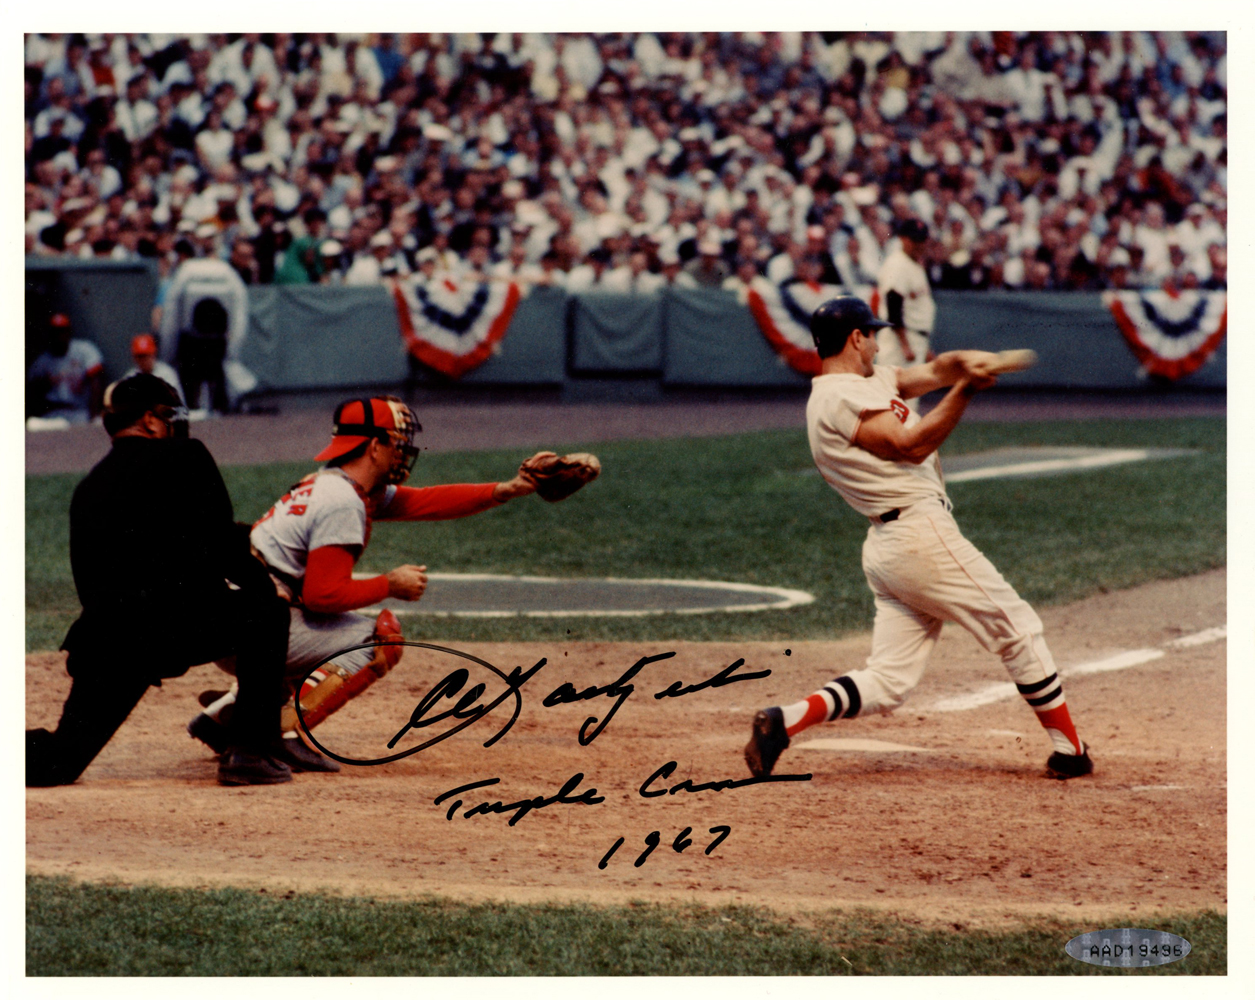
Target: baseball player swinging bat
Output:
[(881, 457)]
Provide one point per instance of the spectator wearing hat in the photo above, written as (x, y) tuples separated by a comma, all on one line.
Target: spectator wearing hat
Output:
[(708, 268), (144, 354), (67, 379), (367, 267), (331, 257), (906, 299), (427, 261)]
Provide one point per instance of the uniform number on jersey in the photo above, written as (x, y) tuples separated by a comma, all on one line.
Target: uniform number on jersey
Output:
[(899, 409)]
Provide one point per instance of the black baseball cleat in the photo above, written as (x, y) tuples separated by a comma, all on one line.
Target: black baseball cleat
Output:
[(211, 732), (299, 757), (238, 767), (1070, 765), (768, 741)]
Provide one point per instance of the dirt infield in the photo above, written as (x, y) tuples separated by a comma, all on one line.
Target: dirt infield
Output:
[(968, 833)]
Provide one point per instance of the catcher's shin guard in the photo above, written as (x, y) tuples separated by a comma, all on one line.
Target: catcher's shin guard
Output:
[(328, 689)]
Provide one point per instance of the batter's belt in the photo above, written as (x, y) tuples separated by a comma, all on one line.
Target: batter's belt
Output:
[(897, 512)]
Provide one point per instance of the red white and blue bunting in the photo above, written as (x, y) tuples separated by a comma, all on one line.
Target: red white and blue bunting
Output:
[(1171, 333), (453, 326), (783, 314)]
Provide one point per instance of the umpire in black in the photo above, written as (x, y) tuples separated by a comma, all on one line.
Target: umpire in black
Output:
[(153, 542)]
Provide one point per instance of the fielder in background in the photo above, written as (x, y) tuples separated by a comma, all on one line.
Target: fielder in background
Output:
[(152, 545), (67, 379), (881, 457), (313, 536), (906, 301), (144, 353)]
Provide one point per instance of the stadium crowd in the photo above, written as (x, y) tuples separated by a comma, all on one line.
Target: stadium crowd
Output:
[(1042, 160)]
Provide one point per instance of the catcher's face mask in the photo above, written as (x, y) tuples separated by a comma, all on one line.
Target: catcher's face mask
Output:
[(402, 439)]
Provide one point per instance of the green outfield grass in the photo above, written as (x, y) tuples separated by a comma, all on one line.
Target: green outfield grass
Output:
[(744, 508), (75, 929)]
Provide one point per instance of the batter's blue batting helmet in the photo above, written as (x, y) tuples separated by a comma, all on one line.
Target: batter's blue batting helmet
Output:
[(834, 321)]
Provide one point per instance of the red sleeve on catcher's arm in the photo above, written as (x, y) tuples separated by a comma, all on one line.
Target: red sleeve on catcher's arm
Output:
[(329, 587), (438, 503)]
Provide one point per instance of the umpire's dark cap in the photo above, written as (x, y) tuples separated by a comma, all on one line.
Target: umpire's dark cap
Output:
[(128, 400), (834, 321)]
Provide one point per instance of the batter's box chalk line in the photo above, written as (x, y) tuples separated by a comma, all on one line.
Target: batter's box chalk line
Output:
[(496, 595), (1119, 661)]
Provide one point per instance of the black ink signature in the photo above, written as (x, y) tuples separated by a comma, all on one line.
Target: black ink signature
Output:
[(687, 785), (563, 797), (725, 676), (467, 708), (621, 689)]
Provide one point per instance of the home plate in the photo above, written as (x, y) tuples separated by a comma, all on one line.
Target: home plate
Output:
[(865, 746)]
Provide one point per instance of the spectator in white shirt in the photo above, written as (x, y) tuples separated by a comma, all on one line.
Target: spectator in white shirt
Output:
[(1027, 86), (1151, 235), (643, 281), (579, 56), (136, 114), (588, 276), (673, 272), (103, 177)]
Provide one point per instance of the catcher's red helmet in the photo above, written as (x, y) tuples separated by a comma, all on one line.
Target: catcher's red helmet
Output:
[(384, 418)]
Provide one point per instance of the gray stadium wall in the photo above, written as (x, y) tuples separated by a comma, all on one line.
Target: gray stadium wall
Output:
[(319, 337), (108, 302)]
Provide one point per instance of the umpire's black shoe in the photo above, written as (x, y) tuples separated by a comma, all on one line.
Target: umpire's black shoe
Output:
[(238, 767), (1069, 765), (211, 732), (299, 757), (767, 741)]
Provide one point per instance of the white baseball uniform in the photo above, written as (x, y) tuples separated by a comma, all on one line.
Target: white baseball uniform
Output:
[(920, 568), (907, 278)]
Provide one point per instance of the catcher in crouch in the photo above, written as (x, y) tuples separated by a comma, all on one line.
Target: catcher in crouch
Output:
[(315, 533)]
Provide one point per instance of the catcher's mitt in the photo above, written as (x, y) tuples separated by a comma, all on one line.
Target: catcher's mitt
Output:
[(556, 477)]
